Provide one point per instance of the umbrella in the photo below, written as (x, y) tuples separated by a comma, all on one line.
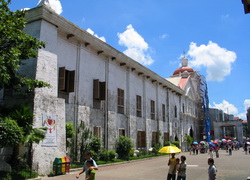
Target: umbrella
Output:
[(212, 144), (169, 150), (195, 143), (248, 143)]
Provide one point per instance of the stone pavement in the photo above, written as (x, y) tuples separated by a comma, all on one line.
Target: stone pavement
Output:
[(235, 167)]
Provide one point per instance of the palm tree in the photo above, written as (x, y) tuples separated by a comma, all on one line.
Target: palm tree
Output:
[(24, 117)]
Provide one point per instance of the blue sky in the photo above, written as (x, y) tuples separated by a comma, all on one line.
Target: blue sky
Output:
[(215, 36)]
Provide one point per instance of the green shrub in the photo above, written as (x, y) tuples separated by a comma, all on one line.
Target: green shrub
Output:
[(176, 143), (95, 144), (167, 143), (123, 147), (107, 155), (156, 148), (95, 156)]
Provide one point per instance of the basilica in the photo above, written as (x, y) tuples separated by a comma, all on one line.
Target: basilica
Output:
[(111, 93)]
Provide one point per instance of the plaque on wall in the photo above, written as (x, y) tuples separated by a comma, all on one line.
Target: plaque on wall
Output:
[(50, 122)]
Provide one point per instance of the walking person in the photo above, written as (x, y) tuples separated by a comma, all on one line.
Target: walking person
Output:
[(172, 168), (217, 151), (211, 151), (86, 168), (230, 149), (245, 147), (182, 169), (212, 170)]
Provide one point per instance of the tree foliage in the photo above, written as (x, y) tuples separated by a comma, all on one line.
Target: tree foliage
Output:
[(70, 132), (95, 144), (15, 47), (11, 134), (85, 135)]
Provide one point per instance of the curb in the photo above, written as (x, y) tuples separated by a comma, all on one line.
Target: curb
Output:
[(72, 171)]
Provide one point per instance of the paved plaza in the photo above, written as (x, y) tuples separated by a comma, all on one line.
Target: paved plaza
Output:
[(235, 167)]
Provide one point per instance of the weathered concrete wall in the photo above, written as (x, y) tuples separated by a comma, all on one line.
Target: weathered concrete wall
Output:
[(43, 157)]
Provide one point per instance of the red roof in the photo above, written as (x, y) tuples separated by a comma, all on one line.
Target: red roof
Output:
[(244, 121), (182, 69), (183, 82)]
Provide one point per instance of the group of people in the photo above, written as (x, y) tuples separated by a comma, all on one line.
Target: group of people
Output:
[(176, 167), (179, 168)]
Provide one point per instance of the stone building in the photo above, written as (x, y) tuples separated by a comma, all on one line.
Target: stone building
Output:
[(112, 94), (225, 125)]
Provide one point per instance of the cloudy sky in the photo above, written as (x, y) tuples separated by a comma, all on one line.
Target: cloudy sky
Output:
[(214, 35)]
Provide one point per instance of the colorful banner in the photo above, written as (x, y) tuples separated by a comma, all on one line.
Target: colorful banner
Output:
[(50, 121)]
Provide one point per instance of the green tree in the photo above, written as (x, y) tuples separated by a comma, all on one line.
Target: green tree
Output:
[(11, 134), (24, 118), (15, 47), (95, 144), (188, 139), (123, 147), (70, 132), (85, 135)]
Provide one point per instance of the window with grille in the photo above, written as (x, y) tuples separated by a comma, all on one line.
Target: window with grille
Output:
[(138, 106), (99, 92), (141, 139), (166, 136), (121, 132), (120, 101), (154, 138), (97, 131), (152, 109), (175, 111), (163, 112), (66, 83)]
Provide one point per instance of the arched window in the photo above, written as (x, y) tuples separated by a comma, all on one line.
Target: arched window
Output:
[(175, 111)]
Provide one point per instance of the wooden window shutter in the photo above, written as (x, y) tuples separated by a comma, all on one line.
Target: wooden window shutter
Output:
[(139, 139), (96, 89), (71, 81), (61, 80), (102, 90), (143, 139)]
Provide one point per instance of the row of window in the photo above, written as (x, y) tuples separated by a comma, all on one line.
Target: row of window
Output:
[(141, 136), (120, 106), (66, 85)]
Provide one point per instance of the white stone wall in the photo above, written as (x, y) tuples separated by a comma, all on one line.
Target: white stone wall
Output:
[(43, 157)]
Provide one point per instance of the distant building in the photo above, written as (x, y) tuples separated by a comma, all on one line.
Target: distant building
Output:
[(225, 125), (245, 128), (248, 121)]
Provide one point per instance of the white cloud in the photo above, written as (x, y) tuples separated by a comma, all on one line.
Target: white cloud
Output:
[(242, 116), (93, 33), (226, 107), (137, 48), (54, 4), (164, 36), (25, 9), (215, 59), (224, 16), (247, 104)]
